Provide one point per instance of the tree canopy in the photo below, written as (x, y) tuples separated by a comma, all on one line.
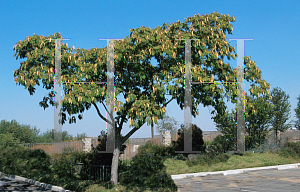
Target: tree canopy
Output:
[(132, 56), (281, 111)]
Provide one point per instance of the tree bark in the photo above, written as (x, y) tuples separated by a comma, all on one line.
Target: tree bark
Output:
[(114, 166), (115, 160)]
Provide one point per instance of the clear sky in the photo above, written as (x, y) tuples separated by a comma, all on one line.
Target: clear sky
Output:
[(273, 25)]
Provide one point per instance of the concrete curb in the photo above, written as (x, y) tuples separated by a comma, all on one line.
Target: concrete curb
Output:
[(36, 183), (237, 171)]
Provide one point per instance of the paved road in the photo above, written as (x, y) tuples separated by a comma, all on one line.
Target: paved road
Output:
[(273, 180)]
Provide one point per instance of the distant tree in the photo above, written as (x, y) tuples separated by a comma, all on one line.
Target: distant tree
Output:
[(226, 124), (282, 111), (21, 132), (8, 140), (258, 124), (258, 115), (48, 137), (166, 124), (197, 139), (297, 110), (81, 136)]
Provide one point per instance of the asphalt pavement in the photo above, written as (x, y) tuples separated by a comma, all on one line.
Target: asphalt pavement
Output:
[(272, 178)]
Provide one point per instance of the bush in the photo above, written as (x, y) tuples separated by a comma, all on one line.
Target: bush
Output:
[(159, 150), (291, 150), (197, 140), (24, 162), (63, 166), (8, 140), (147, 170), (23, 133), (219, 145)]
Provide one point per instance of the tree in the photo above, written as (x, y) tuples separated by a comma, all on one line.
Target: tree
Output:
[(282, 108), (297, 110), (258, 114), (226, 124), (48, 137), (167, 124), (197, 139), (23, 133), (133, 72), (258, 124), (8, 140), (81, 136)]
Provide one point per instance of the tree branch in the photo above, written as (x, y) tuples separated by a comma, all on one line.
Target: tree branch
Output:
[(133, 130), (124, 116), (168, 102), (110, 114), (98, 111), (140, 124)]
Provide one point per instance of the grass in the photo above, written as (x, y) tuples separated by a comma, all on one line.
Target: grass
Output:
[(264, 155), (175, 167)]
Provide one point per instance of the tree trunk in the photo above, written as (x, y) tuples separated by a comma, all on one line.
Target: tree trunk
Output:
[(115, 160), (114, 166)]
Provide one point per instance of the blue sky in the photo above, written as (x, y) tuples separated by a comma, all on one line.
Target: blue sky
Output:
[(273, 26)]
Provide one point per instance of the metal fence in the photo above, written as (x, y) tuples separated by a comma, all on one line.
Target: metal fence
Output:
[(103, 172)]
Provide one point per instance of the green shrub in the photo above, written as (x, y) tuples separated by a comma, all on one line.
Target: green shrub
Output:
[(291, 150), (24, 162), (146, 170), (159, 150), (63, 166), (219, 145)]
